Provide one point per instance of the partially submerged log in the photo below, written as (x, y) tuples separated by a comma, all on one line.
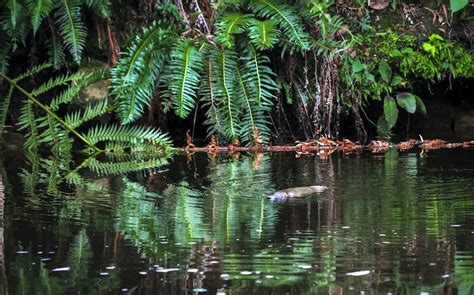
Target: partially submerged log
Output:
[(325, 146)]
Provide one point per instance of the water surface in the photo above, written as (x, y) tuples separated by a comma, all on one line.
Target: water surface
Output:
[(394, 223)]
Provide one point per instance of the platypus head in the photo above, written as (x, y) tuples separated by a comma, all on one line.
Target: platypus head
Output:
[(277, 196)]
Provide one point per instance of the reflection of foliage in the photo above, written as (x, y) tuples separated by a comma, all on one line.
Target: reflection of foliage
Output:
[(230, 216), (238, 189), (464, 273), (42, 281), (235, 211)]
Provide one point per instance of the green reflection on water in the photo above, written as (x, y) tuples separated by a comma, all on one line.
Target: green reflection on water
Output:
[(407, 219)]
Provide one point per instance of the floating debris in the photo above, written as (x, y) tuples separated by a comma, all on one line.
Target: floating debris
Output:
[(103, 274), (456, 225), (224, 275), (245, 272), (193, 270), (67, 268), (199, 290), (166, 270), (358, 273), (143, 273), (21, 252), (110, 267), (305, 266), (445, 276)]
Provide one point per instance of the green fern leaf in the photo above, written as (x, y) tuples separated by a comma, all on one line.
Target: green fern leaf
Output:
[(209, 98), (33, 71), (5, 105), (15, 23), (92, 111), (100, 6), (71, 27), (229, 107), (287, 19), (60, 80), (134, 77), (5, 46), (39, 9), (259, 77), (253, 113), (114, 168), (133, 134), (51, 130), (27, 121), (186, 61), (15, 10), (55, 50), (230, 24), (264, 34)]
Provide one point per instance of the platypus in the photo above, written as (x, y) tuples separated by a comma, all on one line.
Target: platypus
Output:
[(296, 192)]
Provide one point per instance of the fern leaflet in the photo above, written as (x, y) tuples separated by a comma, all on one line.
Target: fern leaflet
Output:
[(186, 61)]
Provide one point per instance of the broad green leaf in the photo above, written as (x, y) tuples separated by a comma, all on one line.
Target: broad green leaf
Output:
[(457, 5), (357, 66), (382, 127), (390, 111), (407, 101), (370, 77), (385, 71), (420, 106), (396, 81)]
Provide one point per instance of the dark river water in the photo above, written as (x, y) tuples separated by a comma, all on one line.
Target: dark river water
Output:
[(393, 223)]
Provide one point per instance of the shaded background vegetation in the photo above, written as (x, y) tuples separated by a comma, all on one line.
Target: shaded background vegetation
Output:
[(254, 71)]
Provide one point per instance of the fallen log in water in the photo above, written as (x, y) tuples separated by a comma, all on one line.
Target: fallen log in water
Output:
[(326, 146)]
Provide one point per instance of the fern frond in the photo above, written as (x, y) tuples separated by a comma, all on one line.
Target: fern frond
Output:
[(74, 178), (60, 80), (114, 168), (287, 20), (5, 105), (260, 78), (71, 27), (134, 77), (186, 62), (65, 96), (51, 130), (254, 113), (208, 97), (132, 134), (33, 71), (230, 24), (4, 52), (39, 9), (264, 34), (15, 22), (55, 50), (15, 10), (100, 6), (92, 111), (229, 107), (27, 120)]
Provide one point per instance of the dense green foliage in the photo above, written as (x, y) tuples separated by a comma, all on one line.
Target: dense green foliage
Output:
[(245, 65), (49, 129)]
